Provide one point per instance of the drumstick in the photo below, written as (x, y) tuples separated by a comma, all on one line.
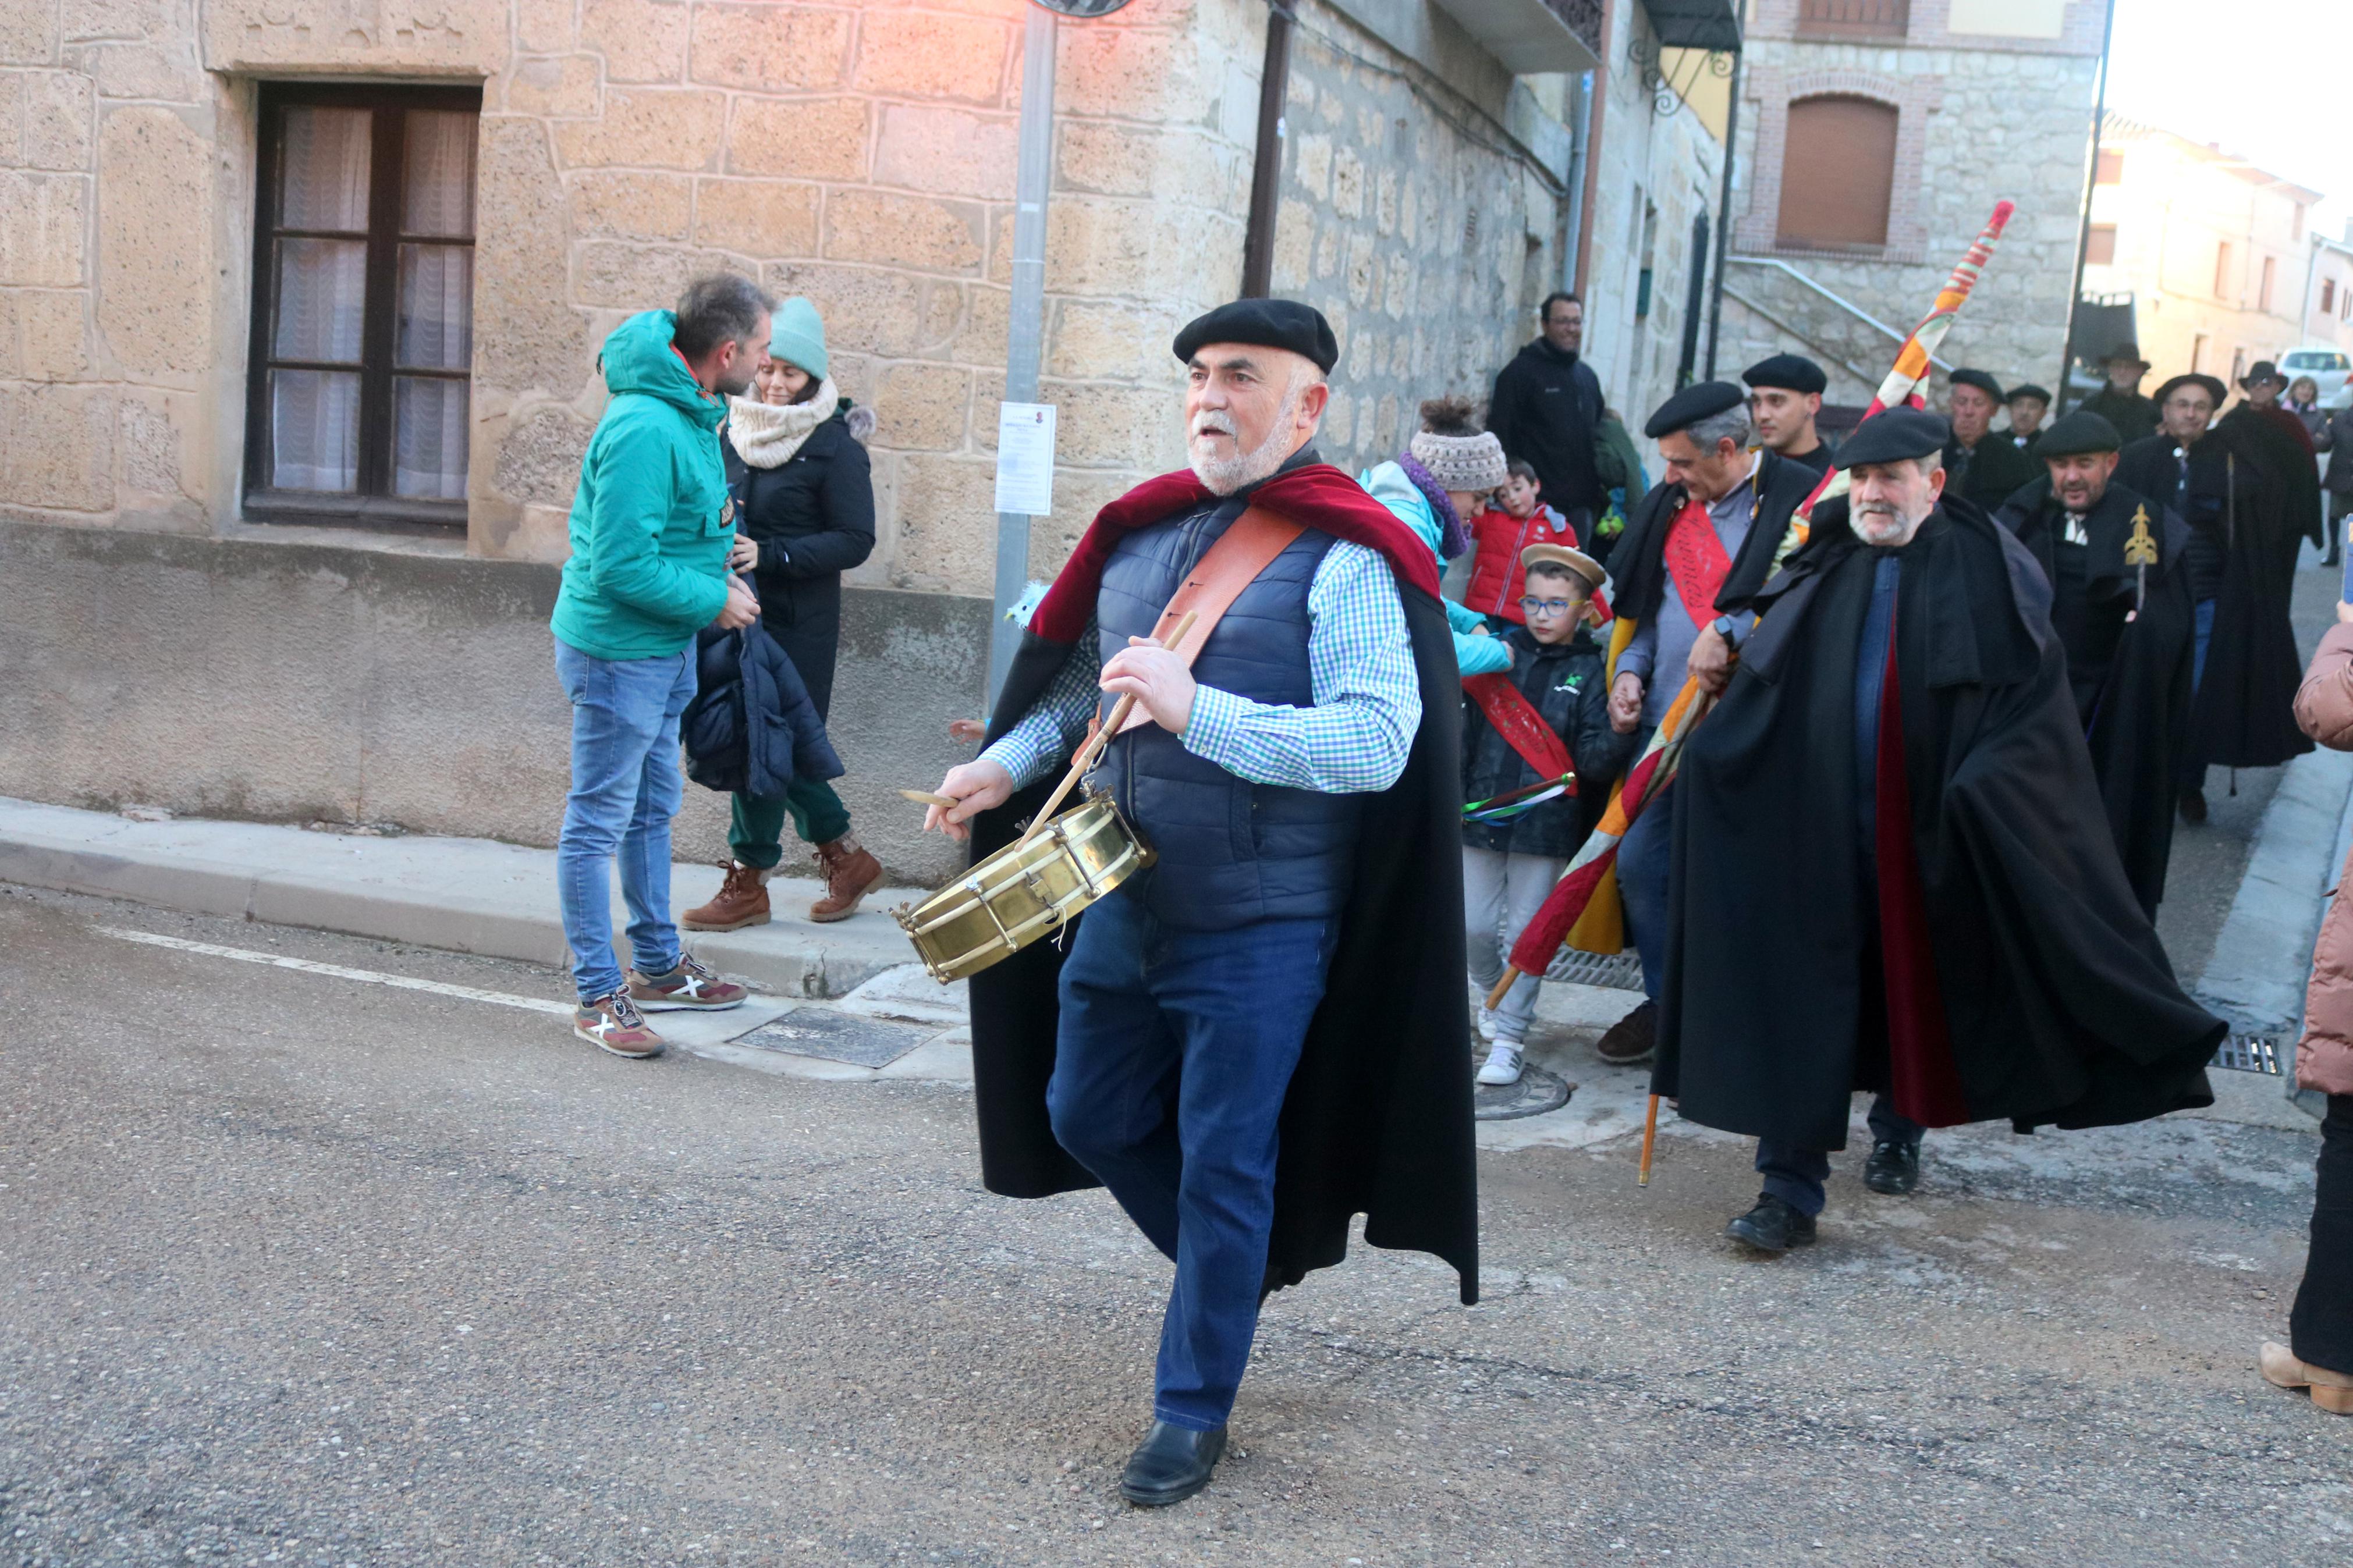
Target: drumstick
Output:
[(1649, 1141), (1093, 749), (925, 797)]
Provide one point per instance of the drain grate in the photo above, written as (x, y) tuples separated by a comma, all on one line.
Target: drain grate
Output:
[(2251, 1053), (1618, 970)]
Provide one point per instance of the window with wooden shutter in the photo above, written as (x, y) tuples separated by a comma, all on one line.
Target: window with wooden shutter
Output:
[(2100, 245), (1838, 173), (363, 304)]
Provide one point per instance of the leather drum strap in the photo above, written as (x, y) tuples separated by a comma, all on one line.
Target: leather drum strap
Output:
[(1246, 549)]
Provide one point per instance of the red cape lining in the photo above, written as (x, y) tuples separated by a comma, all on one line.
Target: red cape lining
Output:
[(1318, 495)]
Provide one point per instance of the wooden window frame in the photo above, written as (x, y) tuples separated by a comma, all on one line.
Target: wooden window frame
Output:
[(373, 503)]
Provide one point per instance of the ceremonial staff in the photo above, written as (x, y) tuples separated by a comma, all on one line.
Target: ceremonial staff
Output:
[(1556, 920)]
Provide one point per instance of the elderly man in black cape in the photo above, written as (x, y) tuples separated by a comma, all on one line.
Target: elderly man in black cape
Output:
[(1699, 545), (2120, 602), (1261, 1035), (1892, 866), (2240, 561), (1984, 464)]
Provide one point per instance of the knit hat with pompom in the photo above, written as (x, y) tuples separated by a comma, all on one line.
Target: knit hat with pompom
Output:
[(1458, 454)]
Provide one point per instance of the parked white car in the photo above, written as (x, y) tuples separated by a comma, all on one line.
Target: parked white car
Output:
[(2331, 370)]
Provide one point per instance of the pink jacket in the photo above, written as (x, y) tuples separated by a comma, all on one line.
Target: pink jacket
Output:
[(2324, 1058)]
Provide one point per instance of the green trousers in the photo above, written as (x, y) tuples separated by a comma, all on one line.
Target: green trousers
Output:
[(756, 831)]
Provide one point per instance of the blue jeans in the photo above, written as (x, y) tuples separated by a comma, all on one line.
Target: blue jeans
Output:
[(1796, 1175), (1175, 1053), (2205, 634), (1645, 856), (626, 787)]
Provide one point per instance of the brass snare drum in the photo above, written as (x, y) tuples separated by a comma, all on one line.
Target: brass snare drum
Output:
[(1024, 891)]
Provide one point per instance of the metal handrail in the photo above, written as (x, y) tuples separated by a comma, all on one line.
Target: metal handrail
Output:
[(1849, 306)]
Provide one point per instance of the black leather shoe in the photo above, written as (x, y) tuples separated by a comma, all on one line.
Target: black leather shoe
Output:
[(1772, 1226), (1894, 1168), (1171, 1464)]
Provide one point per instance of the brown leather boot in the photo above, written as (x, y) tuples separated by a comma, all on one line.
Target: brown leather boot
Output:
[(849, 872), (741, 901)]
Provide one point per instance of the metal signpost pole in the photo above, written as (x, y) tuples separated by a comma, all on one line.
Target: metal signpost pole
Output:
[(1025, 328)]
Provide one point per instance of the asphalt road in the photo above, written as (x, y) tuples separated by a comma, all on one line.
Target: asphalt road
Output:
[(305, 1270)]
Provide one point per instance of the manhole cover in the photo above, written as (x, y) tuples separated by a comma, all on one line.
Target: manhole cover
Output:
[(1538, 1090), (837, 1038)]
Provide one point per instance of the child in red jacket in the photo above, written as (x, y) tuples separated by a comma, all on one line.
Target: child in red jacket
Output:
[(1500, 536)]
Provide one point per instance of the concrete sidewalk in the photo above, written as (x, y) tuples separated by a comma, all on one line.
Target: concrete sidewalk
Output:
[(469, 894)]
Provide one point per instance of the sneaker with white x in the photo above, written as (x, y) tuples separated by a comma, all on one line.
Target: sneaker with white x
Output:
[(612, 1024), (689, 985)]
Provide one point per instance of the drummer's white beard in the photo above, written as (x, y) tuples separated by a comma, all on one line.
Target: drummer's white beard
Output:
[(1224, 476)]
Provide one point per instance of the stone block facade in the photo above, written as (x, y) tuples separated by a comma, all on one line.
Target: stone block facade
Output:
[(1981, 117), (859, 152)]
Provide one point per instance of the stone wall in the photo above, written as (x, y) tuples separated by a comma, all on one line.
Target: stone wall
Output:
[(1413, 219), (1980, 119), (1656, 172), (289, 682)]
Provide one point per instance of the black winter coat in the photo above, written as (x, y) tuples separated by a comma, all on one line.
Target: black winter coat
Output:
[(813, 517), (1548, 409), (752, 728), (1565, 683), (1993, 471)]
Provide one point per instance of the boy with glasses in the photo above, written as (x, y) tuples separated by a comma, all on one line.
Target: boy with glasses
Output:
[(1539, 758)]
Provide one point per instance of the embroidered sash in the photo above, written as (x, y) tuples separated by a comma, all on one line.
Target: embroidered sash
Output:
[(1696, 560)]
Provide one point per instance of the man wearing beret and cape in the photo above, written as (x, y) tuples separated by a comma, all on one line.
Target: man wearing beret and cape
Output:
[(1262, 1035), (2241, 562), (2120, 603), (1985, 467), (1893, 869), (1785, 399), (1699, 545)]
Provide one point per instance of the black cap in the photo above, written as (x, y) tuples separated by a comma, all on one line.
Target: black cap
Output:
[(1981, 380), (2213, 384), (1693, 404), (2028, 389), (1270, 323), (1893, 436), (2076, 433), (1792, 372), (2262, 371)]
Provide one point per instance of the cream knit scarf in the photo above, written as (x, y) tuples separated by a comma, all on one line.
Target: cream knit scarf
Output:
[(767, 434)]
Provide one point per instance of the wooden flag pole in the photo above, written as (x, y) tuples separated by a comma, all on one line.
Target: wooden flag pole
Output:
[(1650, 1141)]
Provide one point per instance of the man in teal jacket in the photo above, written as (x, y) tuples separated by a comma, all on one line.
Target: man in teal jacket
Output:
[(653, 547)]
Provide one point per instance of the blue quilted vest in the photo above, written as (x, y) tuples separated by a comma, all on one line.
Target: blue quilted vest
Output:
[(1231, 852)]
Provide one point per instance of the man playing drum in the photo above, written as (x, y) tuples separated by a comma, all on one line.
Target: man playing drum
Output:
[(1262, 1035)]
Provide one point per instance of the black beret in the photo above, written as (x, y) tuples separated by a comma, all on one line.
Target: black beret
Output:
[(1795, 373), (2213, 384), (1693, 404), (1270, 323), (2028, 389), (2076, 433), (1893, 436), (1978, 379)]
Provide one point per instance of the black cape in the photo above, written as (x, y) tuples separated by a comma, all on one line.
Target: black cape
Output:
[(2131, 678), (2243, 715), (2134, 414), (1993, 471), (1377, 1119), (2049, 984), (2280, 443), (1639, 563)]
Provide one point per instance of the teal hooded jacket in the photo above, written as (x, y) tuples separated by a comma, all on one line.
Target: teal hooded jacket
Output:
[(651, 520)]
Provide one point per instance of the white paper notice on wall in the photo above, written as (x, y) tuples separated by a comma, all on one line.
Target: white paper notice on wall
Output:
[(1025, 458)]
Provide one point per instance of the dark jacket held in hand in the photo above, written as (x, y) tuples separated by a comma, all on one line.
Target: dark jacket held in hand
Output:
[(752, 727)]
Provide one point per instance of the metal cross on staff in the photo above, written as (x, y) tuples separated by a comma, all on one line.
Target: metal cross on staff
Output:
[(2140, 551)]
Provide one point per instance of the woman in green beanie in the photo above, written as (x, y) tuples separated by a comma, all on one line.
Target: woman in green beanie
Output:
[(796, 466)]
